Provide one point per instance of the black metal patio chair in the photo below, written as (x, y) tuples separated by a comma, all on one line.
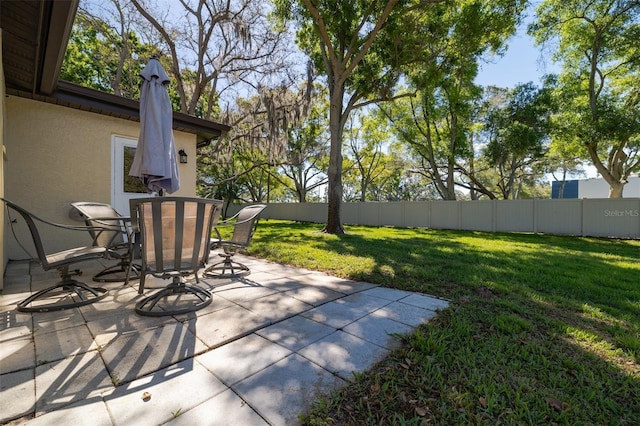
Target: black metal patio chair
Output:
[(68, 292), (173, 240), (244, 225), (111, 230)]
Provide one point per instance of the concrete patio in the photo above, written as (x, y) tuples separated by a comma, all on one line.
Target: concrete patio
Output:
[(260, 354)]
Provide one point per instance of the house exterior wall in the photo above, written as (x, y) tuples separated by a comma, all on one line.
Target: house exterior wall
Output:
[(566, 189), (57, 155), (599, 188), (3, 256), (594, 188)]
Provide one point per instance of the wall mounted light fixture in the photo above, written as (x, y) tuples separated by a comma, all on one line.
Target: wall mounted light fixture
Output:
[(183, 156)]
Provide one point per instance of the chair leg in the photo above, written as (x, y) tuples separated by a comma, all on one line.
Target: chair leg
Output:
[(219, 270), (83, 293), (120, 268), (141, 283), (150, 306)]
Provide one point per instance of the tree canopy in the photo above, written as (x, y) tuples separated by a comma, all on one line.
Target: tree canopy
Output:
[(408, 68), (356, 46), (598, 91)]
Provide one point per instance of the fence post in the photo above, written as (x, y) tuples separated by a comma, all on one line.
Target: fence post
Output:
[(535, 216), (494, 215), (582, 217)]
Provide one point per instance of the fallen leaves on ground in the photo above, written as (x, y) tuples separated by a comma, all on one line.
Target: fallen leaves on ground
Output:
[(556, 404)]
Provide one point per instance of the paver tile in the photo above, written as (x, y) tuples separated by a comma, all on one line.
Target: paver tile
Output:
[(379, 330), (245, 293), (226, 325), (334, 283), (15, 325), (257, 265), (119, 300), (295, 333), (159, 397), (134, 355), (86, 412), (392, 294), (226, 409), (10, 297), (314, 295), (221, 285), (275, 307), (124, 322), (72, 379), (282, 284), (344, 354), (18, 394), (217, 304), (17, 354), (19, 269), (240, 359), (283, 391), (425, 302), (260, 277), (346, 310), (47, 322), (406, 314), (61, 344)]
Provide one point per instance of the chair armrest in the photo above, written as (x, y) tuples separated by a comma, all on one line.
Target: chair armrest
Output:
[(123, 221), (68, 227), (232, 222)]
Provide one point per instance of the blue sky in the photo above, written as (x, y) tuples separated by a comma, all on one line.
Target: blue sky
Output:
[(522, 63)]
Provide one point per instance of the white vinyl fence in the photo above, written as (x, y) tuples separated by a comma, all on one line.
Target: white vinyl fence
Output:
[(602, 217)]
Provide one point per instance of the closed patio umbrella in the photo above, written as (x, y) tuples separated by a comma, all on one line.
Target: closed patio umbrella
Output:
[(155, 159)]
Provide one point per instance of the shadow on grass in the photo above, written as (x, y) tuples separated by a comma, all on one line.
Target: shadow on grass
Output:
[(424, 260), (479, 363)]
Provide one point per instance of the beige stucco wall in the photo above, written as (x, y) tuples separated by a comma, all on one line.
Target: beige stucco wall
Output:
[(3, 257), (57, 155)]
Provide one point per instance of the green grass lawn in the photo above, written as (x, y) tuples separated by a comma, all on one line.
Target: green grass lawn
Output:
[(542, 329)]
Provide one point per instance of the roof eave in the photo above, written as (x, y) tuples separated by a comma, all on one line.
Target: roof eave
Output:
[(83, 98), (55, 39)]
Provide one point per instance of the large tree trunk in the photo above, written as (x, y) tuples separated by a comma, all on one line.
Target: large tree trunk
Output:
[(614, 175), (615, 190), (363, 189), (334, 224), (451, 161)]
